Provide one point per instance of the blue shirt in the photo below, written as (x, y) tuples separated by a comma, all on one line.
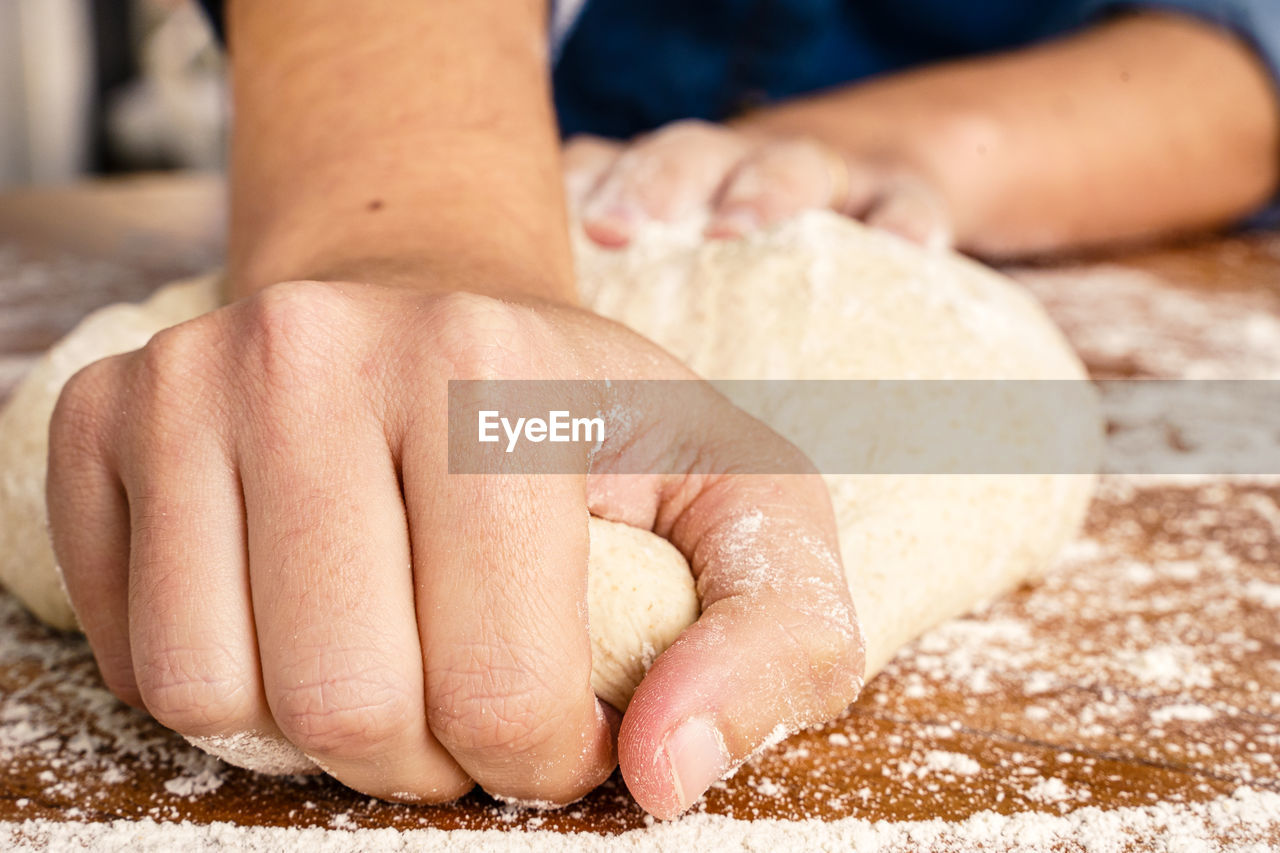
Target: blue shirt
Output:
[(632, 65)]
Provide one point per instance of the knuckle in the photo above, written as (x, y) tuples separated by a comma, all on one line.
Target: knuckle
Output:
[(675, 168), (344, 717), (750, 182), (665, 153), (484, 338), (293, 327), (165, 375), (774, 183), (81, 411), (790, 164), (829, 649), (171, 403), (171, 353), (194, 691), (484, 707)]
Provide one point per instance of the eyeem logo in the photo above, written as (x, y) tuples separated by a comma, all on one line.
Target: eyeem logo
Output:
[(557, 428)]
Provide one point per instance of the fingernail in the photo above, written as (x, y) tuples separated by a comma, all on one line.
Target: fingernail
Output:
[(733, 222), (698, 759)]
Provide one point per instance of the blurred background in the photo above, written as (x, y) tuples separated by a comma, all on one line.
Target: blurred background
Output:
[(106, 86)]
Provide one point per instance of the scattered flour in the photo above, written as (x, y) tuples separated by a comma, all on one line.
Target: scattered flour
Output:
[(1168, 665), (938, 761), (1050, 791), (1241, 822), (1266, 594), (205, 781), (1183, 713)]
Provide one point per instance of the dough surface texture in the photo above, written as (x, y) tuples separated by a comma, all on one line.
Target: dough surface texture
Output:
[(819, 297)]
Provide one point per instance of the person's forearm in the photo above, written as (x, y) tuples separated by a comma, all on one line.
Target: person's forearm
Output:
[(1148, 125), (390, 138)]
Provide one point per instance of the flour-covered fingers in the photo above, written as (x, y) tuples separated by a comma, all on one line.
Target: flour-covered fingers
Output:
[(89, 517), (668, 175), (777, 646), (783, 178), (501, 574)]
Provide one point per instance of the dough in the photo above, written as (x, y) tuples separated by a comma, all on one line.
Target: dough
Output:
[(819, 297), (640, 596)]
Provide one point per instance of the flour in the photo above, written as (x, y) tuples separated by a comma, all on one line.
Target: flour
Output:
[(193, 786), (953, 763), (1162, 594), (1183, 713), (1052, 791), (1263, 593), (1155, 330), (255, 752), (1241, 822)]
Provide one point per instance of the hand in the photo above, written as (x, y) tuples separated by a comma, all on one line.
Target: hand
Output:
[(741, 181), (260, 536)]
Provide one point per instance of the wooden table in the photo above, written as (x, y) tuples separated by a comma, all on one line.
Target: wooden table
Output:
[(1140, 680)]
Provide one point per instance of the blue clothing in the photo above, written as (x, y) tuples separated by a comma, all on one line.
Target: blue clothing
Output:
[(632, 65), (627, 66)]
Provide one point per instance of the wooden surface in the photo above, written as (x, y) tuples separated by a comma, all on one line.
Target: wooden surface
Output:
[(1143, 672)]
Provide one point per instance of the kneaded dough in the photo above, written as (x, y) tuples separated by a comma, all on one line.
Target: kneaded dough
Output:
[(640, 596), (819, 297)]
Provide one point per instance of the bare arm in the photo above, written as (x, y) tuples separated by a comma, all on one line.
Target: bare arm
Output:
[(1143, 126), (395, 135)]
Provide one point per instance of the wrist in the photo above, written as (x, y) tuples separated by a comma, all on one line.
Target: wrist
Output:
[(423, 269), (386, 239), (338, 168)]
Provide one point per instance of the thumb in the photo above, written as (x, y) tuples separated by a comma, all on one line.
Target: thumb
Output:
[(776, 648)]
